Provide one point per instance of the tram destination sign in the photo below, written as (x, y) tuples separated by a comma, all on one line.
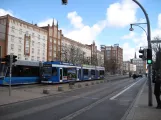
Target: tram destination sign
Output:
[(47, 65)]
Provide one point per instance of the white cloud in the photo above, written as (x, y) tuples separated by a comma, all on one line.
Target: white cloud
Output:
[(46, 22), (83, 33), (75, 19), (122, 13), (131, 35), (5, 12), (128, 52)]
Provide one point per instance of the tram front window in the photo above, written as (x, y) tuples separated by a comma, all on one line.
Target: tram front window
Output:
[(47, 70)]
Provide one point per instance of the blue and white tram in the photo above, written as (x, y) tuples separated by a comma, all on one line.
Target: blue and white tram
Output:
[(23, 72), (88, 72), (100, 71), (59, 72)]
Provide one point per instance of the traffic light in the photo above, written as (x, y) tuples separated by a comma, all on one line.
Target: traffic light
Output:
[(64, 2), (14, 58), (149, 56), (142, 52)]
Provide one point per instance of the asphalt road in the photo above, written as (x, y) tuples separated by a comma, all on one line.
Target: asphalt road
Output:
[(105, 101)]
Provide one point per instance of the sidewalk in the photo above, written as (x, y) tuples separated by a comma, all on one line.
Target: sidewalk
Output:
[(141, 111)]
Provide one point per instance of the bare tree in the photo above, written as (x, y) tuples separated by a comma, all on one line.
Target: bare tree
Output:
[(155, 47), (111, 65), (73, 54), (94, 60)]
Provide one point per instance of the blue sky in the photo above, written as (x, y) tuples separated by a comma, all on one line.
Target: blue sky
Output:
[(106, 21)]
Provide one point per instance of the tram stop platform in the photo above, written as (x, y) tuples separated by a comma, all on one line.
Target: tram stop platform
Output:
[(140, 109)]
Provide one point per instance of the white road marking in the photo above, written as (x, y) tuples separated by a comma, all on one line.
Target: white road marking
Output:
[(112, 98)]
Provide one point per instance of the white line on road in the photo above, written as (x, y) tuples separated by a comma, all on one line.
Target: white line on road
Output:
[(124, 90)]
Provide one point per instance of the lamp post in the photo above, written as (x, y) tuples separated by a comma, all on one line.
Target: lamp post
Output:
[(149, 46)]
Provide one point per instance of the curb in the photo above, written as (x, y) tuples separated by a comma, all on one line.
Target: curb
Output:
[(133, 103)]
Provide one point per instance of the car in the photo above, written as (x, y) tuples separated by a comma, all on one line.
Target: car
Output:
[(140, 75)]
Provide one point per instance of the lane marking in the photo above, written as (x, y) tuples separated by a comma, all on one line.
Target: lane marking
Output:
[(112, 98)]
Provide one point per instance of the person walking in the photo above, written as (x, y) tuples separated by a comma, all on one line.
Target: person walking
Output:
[(157, 84)]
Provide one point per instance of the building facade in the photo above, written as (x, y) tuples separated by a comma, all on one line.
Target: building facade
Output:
[(114, 54), (128, 67), (27, 41), (140, 65), (32, 43), (75, 52), (54, 42), (100, 58)]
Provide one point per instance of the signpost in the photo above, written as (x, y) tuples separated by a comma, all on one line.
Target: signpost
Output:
[(11, 60)]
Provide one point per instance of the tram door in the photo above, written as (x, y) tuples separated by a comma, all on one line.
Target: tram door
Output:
[(61, 75), (77, 74)]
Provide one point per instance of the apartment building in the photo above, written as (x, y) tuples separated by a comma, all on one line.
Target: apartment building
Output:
[(27, 41), (72, 49), (100, 58), (128, 67), (54, 42), (114, 53)]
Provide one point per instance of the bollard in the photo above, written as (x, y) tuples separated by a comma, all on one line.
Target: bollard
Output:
[(71, 86), (86, 84), (79, 85), (46, 91), (92, 83), (60, 88)]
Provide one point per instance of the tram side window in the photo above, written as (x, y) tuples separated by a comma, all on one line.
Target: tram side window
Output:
[(101, 72), (85, 71), (54, 71), (24, 71), (64, 71), (93, 72)]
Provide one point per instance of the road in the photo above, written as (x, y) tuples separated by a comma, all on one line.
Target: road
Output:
[(103, 101)]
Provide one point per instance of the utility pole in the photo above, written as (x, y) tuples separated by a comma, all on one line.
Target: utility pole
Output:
[(149, 47), (11, 60)]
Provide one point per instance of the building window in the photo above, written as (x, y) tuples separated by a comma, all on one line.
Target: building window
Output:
[(43, 53), (19, 48), (38, 58), (38, 52), (32, 50), (12, 46), (33, 35), (44, 45), (12, 38), (32, 58), (44, 38), (19, 56), (20, 40), (26, 58), (20, 32), (13, 28), (43, 58), (33, 43), (39, 37)]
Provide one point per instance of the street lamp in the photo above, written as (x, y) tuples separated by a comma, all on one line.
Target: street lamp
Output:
[(149, 47), (137, 24)]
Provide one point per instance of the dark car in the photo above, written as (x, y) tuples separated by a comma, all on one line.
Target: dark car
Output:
[(140, 75)]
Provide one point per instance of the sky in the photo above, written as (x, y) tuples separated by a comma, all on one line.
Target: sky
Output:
[(107, 22)]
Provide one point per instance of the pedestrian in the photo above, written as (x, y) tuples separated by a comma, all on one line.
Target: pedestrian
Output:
[(157, 84)]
